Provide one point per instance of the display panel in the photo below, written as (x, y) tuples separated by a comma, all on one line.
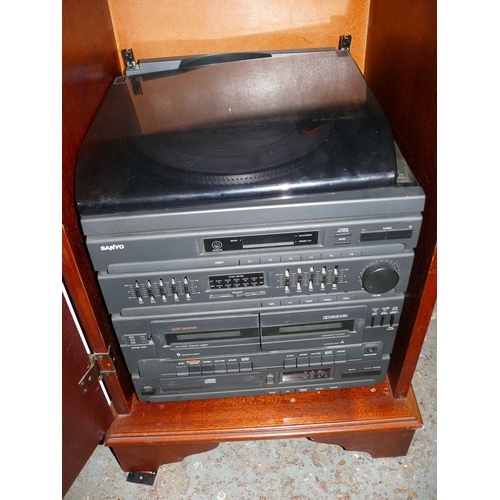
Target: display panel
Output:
[(236, 281), (260, 241), (300, 375)]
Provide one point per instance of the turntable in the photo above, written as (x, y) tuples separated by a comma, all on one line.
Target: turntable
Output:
[(173, 132)]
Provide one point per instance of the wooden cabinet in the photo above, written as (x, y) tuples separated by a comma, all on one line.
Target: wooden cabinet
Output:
[(400, 66)]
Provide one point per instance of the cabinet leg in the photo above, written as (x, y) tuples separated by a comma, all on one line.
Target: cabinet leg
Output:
[(378, 444), (149, 457)]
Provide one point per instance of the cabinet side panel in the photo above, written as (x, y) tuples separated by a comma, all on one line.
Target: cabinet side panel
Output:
[(89, 64), (400, 66)]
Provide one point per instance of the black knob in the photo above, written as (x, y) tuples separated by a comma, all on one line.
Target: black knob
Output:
[(380, 277)]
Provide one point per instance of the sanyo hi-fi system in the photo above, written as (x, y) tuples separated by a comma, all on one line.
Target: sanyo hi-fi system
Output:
[(251, 222)]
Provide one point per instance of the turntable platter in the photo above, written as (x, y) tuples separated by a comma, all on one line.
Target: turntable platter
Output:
[(230, 155)]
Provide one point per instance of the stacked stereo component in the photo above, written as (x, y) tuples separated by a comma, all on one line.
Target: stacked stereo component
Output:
[(258, 241)]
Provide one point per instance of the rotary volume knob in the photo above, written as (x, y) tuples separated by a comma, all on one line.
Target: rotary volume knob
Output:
[(380, 277)]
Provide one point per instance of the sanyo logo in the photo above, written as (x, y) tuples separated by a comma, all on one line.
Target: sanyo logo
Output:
[(112, 247)]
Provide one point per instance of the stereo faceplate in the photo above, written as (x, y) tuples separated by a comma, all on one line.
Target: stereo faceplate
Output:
[(293, 279), (269, 380)]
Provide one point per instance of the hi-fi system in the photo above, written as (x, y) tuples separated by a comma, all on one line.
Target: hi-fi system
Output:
[(206, 303), (257, 294)]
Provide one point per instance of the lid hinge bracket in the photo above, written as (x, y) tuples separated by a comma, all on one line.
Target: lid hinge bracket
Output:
[(345, 42), (129, 59), (101, 366)]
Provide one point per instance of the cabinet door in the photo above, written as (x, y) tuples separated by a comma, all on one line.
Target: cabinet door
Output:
[(85, 416)]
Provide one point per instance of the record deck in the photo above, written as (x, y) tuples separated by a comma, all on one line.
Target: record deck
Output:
[(271, 125)]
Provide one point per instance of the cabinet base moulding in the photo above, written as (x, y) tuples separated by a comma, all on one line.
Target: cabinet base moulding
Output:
[(365, 419)]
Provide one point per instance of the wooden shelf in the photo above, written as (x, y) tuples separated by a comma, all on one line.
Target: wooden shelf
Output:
[(364, 419)]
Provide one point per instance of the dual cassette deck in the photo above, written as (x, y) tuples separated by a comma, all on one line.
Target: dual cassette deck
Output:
[(260, 276)]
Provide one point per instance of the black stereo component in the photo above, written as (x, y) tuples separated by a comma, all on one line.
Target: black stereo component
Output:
[(266, 350), (252, 225)]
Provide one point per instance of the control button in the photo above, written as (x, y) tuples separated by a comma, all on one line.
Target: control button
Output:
[(329, 298), (187, 292), (148, 390), (137, 290), (207, 369), (315, 361), (269, 379), (149, 288), (380, 277), (182, 371), (290, 363), (162, 290), (269, 259), (311, 256), (290, 258), (331, 255), (233, 367), (271, 303), (219, 368), (290, 302), (303, 362), (351, 253), (352, 369), (346, 297), (309, 300), (327, 360), (342, 240), (249, 261), (224, 262), (340, 356), (246, 366), (194, 369)]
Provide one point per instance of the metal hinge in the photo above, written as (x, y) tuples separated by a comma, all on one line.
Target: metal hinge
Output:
[(101, 366), (129, 59), (345, 42)]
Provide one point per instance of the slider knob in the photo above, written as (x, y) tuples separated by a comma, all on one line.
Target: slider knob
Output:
[(380, 277)]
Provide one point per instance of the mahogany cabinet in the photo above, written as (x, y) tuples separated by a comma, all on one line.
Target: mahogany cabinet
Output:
[(400, 66)]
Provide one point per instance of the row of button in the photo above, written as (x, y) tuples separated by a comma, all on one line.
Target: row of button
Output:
[(314, 360), (292, 390), (340, 297), (217, 368), (223, 260), (275, 259)]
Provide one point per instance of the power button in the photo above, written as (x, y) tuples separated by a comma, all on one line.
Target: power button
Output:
[(216, 245)]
